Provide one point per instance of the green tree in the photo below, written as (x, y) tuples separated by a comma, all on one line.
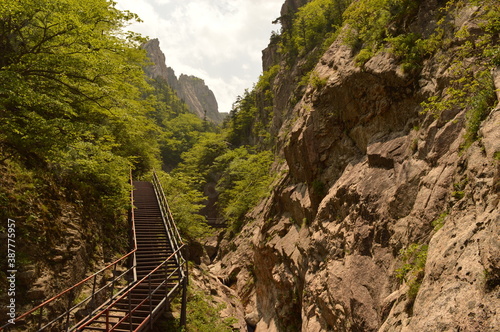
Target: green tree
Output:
[(179, 135), (372, 21), (244, 180), (73, 111), (312, 25), (240, 122), (185, 203), (197, 162), (66, 71)]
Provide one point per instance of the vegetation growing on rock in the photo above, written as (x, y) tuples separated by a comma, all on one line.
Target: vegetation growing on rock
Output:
[(359, 176)]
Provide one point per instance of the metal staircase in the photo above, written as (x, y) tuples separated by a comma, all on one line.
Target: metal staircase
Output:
[(134, 297)]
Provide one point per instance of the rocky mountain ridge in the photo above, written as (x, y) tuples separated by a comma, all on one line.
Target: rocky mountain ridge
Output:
[(381, 220), (192, 90)]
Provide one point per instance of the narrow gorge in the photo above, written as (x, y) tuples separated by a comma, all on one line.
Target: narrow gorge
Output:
[(355, 187)]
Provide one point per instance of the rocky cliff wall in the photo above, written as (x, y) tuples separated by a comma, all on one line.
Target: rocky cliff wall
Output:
[(382, 220), (200, 99), (192, 90)]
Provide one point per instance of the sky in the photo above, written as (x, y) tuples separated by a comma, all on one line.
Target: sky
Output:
[(219, 41)]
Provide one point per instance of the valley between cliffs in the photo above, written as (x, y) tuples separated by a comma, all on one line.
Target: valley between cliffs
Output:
[(380, 120)]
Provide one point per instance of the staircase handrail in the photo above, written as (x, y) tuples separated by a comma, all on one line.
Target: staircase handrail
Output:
[(132, 221), (168, 219), (130, 289), (164, 203), (94, 276), (69, 290)]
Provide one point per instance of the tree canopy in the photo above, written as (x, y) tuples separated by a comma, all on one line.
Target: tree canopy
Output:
[(70, 79)]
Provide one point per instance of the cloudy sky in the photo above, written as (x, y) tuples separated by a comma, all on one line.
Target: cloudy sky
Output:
[(219, 41)]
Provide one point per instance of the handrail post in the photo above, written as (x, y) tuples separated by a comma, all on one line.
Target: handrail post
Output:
[(107, 319), (129, 312), (113, 282), (166, 286), (132, 218), (70, 300), (150, 304), (92, 301), (186, 257), (184, 302), (40, 318), (42, 322)]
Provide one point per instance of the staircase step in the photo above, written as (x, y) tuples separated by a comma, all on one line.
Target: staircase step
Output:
[(153, 249)]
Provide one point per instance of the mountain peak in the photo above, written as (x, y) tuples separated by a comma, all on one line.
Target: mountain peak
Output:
[(191, 89)]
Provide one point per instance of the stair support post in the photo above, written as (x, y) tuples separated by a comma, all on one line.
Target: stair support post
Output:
[(129, 311), (40, 318), (92, 301), (113, 282), (150, 304), (70, 300), (184, 300)]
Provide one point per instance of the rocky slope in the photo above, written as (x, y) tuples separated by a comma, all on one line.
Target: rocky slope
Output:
[(192, 90), (371, 187)]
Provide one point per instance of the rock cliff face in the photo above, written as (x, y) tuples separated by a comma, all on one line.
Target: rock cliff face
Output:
[(199, 98), (369, 182), (192, 90)]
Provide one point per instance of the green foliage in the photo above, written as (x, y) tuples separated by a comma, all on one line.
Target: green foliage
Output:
[(249, 120), (439, 222), (199, 160), (241, 176), (316, 81), (412, 271), (470, 88), (71, 87), (166, 103), (204, 316), (319, 188), (76, 112), (363, 56), (313, 23), (185, 202), (372, 21), (309, 33), (180, 134), (474, 92), (244, 180), (488, 43), (453, 98), (458, 189), (266, 79), (458, 194), (408, 48), (72, 112), (481, 103), (242, 119)]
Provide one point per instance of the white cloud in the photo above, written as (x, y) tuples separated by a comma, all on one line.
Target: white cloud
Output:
[(219, 41)]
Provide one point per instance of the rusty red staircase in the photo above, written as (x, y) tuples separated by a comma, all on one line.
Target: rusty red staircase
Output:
[(134, 297)]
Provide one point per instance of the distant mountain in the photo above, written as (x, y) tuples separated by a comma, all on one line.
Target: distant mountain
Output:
[(192, 90)]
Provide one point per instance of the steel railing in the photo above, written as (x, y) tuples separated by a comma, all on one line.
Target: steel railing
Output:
[(172, 230), (176, 241), (170, 279), (146, 302), (101, 299), (67, 321)]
